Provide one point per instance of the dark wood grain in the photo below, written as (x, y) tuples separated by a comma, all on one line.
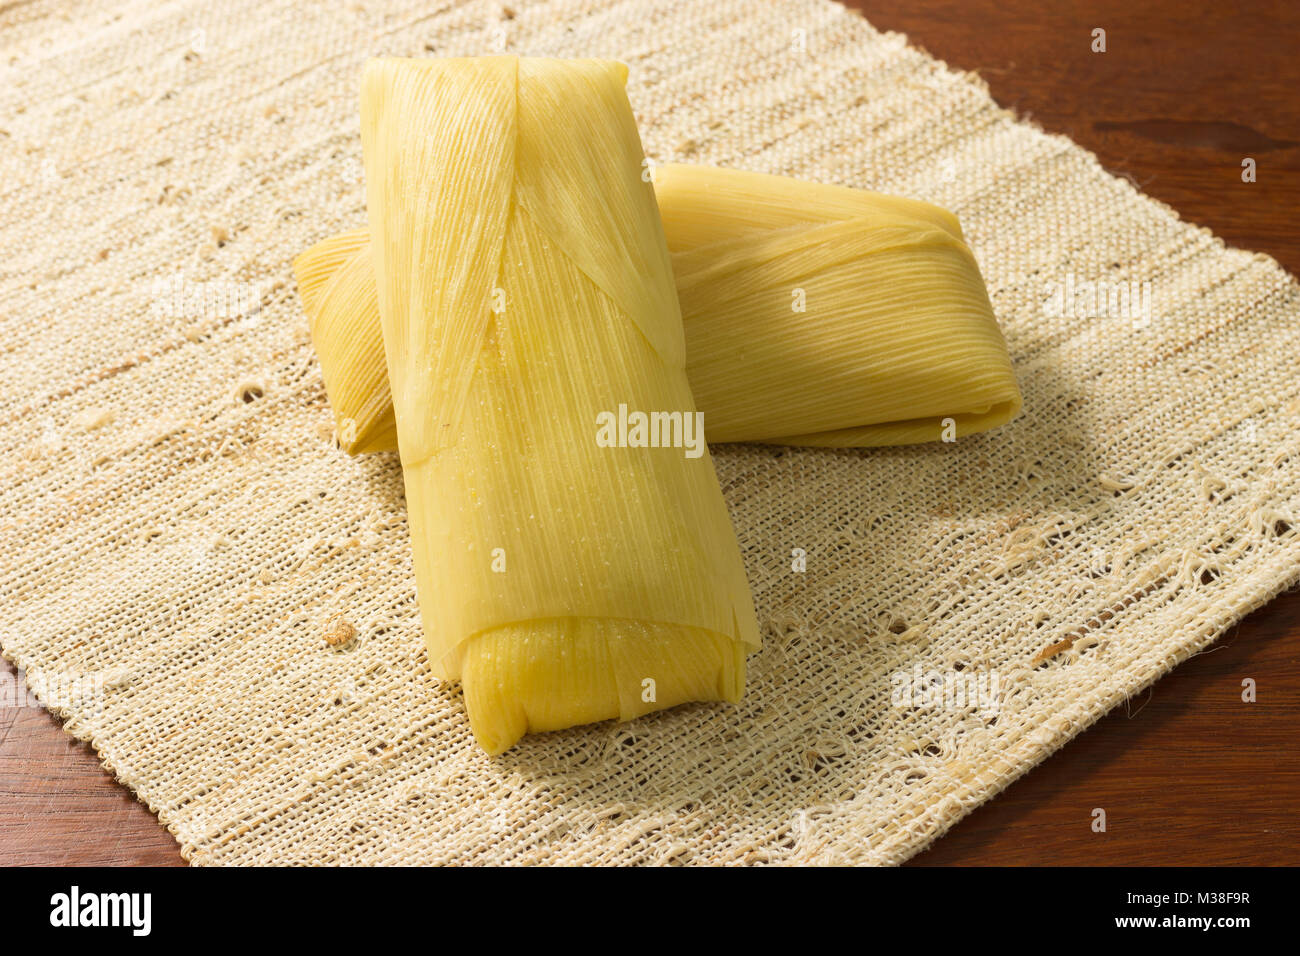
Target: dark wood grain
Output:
[(1187, 773), (59, 808)]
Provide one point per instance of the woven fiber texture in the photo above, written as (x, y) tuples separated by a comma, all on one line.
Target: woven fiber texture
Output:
[(223, 604)]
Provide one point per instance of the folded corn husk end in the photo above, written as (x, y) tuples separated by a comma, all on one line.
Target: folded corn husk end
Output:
[(337, 286), (549, 675), (874, 329)]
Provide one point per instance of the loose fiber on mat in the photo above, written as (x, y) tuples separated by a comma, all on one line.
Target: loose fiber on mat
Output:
[(179, 536)]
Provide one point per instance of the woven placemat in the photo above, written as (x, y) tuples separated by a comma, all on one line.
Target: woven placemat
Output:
[(178, 535)]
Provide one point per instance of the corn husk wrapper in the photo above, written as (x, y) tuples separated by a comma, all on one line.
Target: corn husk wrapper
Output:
[(524, 290), (814, 315)]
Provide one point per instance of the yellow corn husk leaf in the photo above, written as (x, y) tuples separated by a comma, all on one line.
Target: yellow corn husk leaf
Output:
[(561, 581), (336, 282), (316, 266), (703, 205), (885, 314), (822, 315), (897, 342)]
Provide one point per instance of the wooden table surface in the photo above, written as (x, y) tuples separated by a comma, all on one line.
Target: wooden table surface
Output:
[(1187, 773)]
